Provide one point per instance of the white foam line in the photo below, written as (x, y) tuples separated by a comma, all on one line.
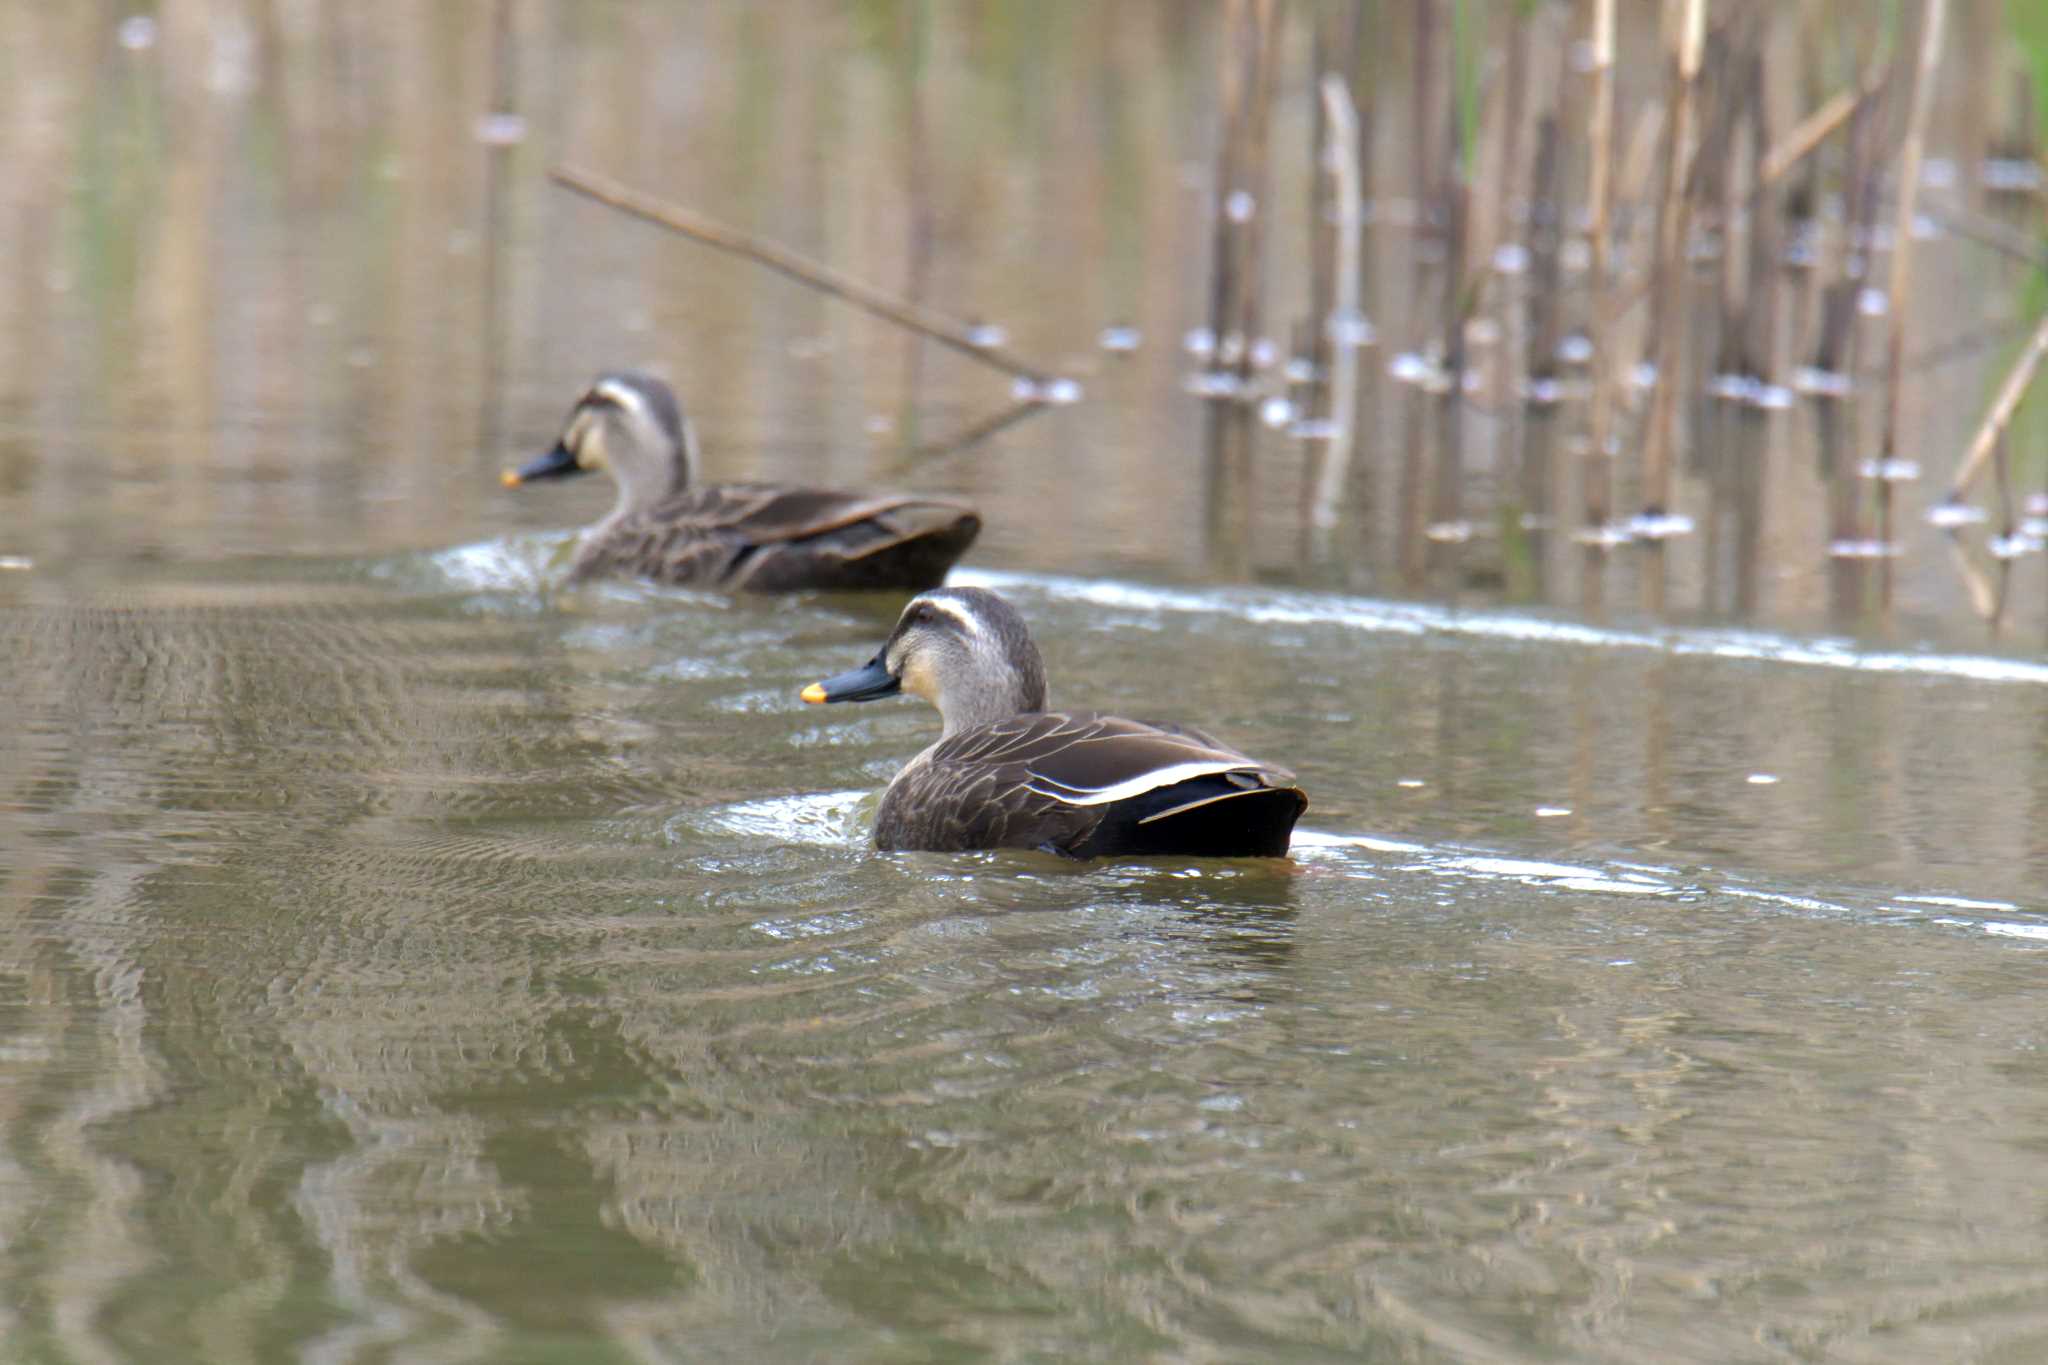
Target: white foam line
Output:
[(2005, 930), (1958, 903), (1394, 618), (1555, 876)]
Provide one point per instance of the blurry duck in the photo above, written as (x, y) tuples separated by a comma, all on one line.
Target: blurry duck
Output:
[(741, 536), (1007, 773)]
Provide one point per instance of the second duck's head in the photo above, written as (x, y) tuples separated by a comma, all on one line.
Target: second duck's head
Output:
[(964, 650), (629, 425)]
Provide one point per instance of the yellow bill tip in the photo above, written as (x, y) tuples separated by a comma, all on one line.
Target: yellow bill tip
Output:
[(814, 694), (510, 478)]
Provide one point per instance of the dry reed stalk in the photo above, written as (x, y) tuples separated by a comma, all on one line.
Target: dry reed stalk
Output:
[(1991, 433), (1248, 61), (1506, 436), (1223, 269), (1545, 334), (786, 262), (1448, 530), (1595, 474), (1836, 353), (497, 213), (1411, 543), (1932, 23), (1674, 230), (1341, 118), (1765, 278)]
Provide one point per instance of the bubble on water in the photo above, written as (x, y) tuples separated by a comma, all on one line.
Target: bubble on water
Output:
[(2010, 175), (1552, 812), (1410, 782), (1299, 370), (1818, 383), (1576, 349), (1349, 329), (988, 334), (1659, 525), (1119, 338), (1214, 384), (1410, 367), (1762, 780), (15, 563), (137, 33), (2015, 545), (1240, 206), (1950, 514), (1873, 303), (1276, 412), (1264, 353), (501, 129), (1862, 549), (1449, 532), (1060, 391), (1606, 537), (1510, 258), (1199, 343), (1894, 470)]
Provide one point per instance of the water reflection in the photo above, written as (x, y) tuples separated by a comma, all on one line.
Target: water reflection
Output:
[(295, 279)]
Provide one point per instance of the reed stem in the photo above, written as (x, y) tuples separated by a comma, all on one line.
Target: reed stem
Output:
[(1932, 23)]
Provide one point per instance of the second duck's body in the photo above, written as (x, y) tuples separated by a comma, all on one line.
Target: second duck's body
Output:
[(745, 537), (1007, 773)]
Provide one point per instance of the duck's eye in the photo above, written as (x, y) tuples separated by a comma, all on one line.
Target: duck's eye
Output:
[(921, 615)]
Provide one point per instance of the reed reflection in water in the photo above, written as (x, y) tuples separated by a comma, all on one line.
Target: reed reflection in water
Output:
[(294, 277)]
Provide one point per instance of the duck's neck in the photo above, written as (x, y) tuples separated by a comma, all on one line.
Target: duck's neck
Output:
[(648, 477), (986, 705)]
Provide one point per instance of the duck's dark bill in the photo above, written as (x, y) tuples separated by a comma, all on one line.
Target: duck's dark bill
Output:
[(557, 463), (869, 681)]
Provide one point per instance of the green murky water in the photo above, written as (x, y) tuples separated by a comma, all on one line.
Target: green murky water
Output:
[(406, 963), (402, 960)]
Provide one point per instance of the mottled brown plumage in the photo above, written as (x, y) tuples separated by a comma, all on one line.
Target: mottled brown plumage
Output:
[(741, 537), (1009, 774)]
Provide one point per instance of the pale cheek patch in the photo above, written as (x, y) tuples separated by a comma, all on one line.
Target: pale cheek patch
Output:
[(918, 680)]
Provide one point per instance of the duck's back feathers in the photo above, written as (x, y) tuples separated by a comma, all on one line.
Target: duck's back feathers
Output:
[(1085, 785), (767, 538)]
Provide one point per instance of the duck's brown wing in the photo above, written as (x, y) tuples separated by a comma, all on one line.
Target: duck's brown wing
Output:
[(1078, 783), (767, 538)]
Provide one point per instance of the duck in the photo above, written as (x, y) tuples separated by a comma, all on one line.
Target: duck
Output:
[(744, 537), (1006, 772)]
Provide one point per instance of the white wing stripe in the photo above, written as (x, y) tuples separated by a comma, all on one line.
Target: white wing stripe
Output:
[(1136, 786)]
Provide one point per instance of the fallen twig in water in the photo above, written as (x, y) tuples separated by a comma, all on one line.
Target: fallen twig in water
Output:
[(780, 259), (968, 436), (2002, 409)]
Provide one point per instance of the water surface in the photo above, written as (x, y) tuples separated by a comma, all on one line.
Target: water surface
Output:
[(410, 960)]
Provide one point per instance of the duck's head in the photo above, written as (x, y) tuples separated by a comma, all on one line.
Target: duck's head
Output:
[(964, 650), (627, 424)]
